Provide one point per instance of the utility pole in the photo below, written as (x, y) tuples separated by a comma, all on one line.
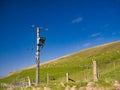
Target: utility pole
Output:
[(40, 43), (37, 56)]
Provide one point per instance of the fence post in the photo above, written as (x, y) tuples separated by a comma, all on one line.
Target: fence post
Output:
[(47, 78), (85, 75), (115, 70), (67, 77), (95, 71), (29, 82)]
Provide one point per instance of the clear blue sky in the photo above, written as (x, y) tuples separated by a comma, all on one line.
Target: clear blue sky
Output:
[(72, 25)]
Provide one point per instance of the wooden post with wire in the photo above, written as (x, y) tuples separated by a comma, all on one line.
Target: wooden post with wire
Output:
[(67, 77)]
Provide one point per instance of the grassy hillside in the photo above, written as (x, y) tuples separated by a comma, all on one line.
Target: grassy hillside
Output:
[(78, 65)]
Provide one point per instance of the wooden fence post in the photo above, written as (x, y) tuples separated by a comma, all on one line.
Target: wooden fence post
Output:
[(67, 77), (85, 75), (115, 70), (29, 82), (95, 71), (47, 78)]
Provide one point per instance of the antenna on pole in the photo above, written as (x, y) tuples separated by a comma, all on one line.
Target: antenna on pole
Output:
[(40, 43)]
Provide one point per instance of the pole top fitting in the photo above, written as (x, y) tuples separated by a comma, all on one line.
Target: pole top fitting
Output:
[(38, 28)]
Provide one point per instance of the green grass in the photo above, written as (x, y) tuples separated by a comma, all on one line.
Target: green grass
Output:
[(79, 67)]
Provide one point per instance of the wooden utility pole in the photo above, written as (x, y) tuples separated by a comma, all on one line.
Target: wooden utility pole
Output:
[(95, 71), (37, 56), (40, 43)]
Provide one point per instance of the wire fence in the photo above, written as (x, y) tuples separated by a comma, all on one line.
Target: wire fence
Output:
[(105, 70), (108, 71)]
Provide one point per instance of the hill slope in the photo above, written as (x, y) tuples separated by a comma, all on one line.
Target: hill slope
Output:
[(78, 65)]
